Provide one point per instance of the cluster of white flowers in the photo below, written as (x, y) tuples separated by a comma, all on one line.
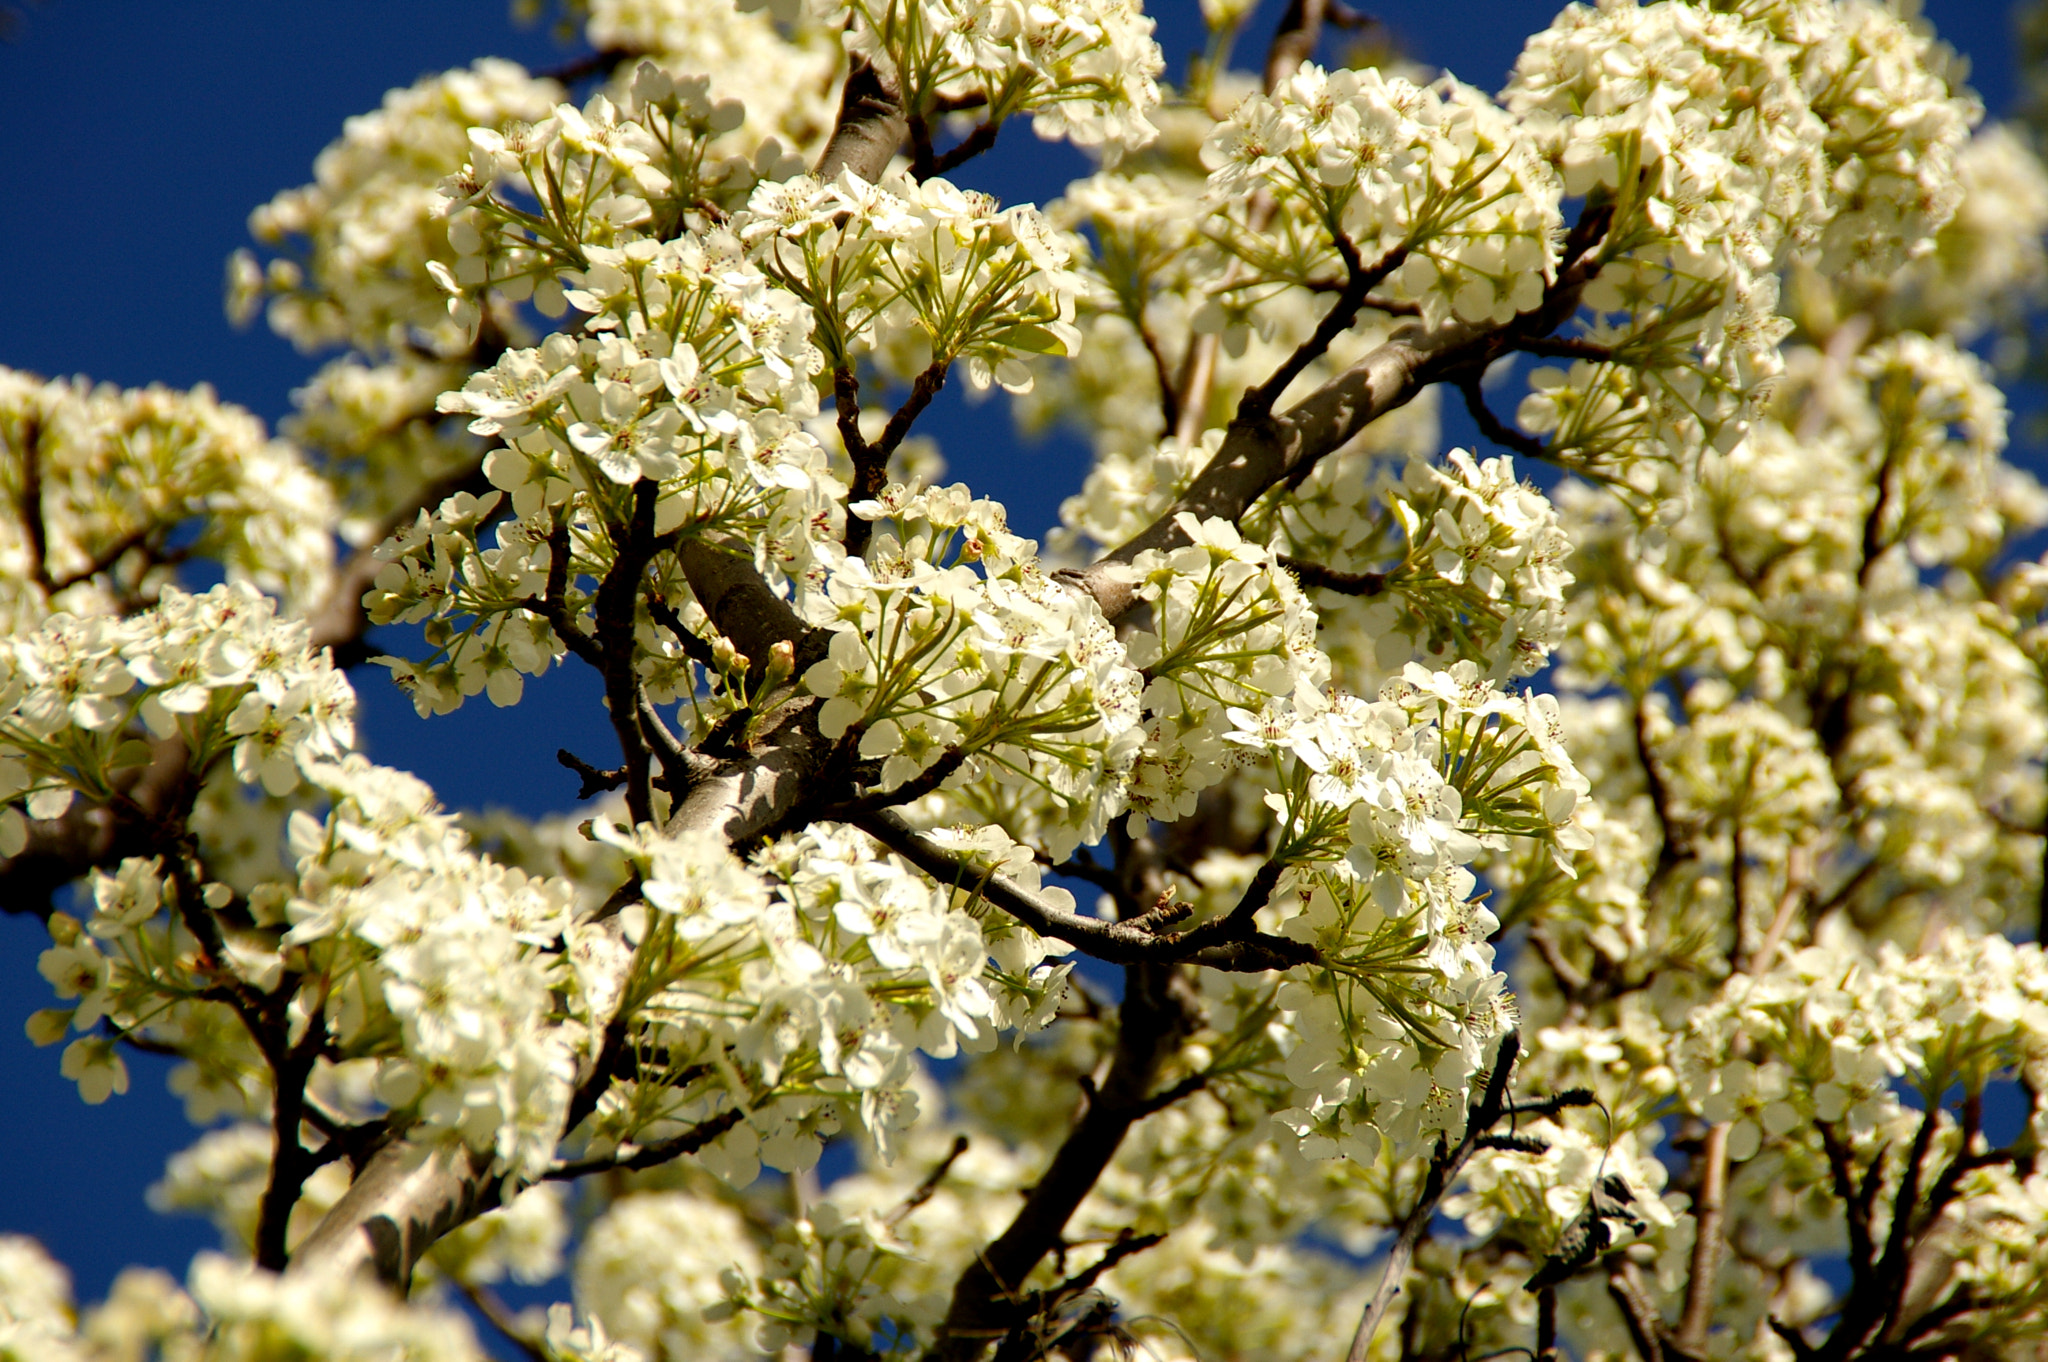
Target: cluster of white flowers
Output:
[(446, 966), (694, 373), (1229, 629), (219, 671), (801, 1007), (1477, 570), (111, 476), (1086, 70), (374, 217), (1841, 1045), (653, 1264), (923, 272), (1440, 176), (949, 644), (785, 72), (598, 177), (1725, 143)]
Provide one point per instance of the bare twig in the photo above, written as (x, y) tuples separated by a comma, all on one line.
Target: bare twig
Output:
[(1228, 944), (1329, 579), (1490, 1106)]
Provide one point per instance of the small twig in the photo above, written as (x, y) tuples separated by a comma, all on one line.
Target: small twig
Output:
[(1329, 579), (924, 1191), (595, 780), (1709, 1207), (32, 503), (1218, 943), (972, 145), (554, 601), (1178, 1092), (1491, 1105), (1565, 347), (1494, 429), (502, 1319), (652, 1155), (1360, 279), (1645, 1328), (910, 791), (1169, 392)]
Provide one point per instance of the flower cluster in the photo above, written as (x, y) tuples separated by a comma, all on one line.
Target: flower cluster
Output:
[(1439, 180), (693, 375), (952, 652), (100, 481), (1229, 629), (374, 217), (1086, 70), (597, 178), (799, 998), (218, 671), (1466, 562), (926, 273), (1725, 143), (1814, 1044)]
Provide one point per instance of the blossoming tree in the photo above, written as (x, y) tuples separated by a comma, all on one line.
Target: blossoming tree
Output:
[(1729, 748)]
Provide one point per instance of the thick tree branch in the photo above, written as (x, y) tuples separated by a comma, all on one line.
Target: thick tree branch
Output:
[(1258, 454), (871, 126), (616, 607), (989, 1300)]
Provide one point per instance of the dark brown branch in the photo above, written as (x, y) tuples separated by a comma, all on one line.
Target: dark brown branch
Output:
[(595, 781), (32, 521), (602, 62), (871, 458), (290, 1163), (1162, 373), (1645, 1329), (340, 622), (652, 1155), (103, 561), (924, 164), (617, 605), (1359, 280), (1486, 1111), (1495, 429), (989, 1299), (909, 792), (924, 1191), (1563, 347), (1671, 844), (1294, 42), (1329, 579), (1223, 943)]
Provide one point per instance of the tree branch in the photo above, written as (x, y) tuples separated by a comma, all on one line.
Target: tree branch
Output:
[(1329, 579), (989, 1299), (1255, 455), (871, 126), (1444, 1165), (1228, 944)]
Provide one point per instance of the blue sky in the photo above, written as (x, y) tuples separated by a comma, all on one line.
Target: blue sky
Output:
[(137, 137)]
